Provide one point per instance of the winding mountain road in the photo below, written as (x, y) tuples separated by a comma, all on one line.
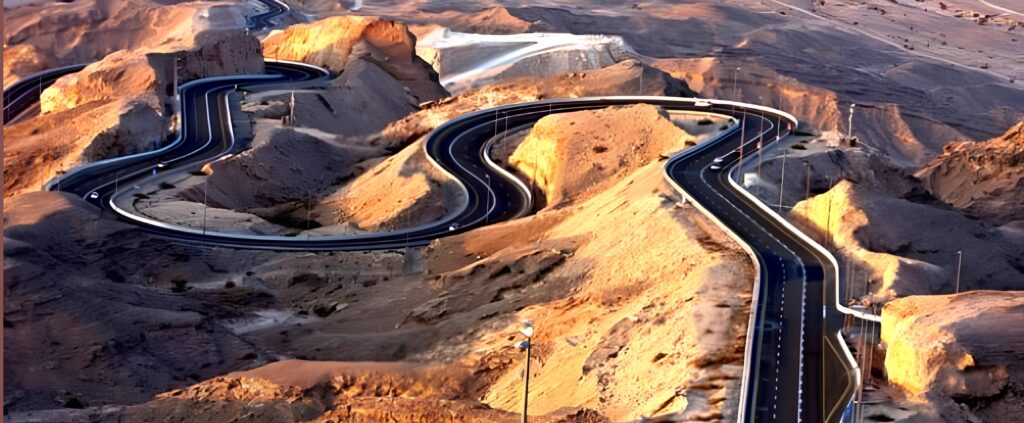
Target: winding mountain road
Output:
[(797, 367)]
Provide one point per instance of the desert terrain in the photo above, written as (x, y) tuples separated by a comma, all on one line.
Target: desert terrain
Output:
[(640, 301)]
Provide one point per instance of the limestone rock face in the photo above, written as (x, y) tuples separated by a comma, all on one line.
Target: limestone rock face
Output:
[(22, 60), (908, 248), (985, 179), (334, 42), (969, 345), (125, 73), (570, 154)]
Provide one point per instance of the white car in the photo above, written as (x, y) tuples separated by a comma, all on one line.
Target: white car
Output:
[(94, 195), (715, 167), (453, 226), (702, 103)]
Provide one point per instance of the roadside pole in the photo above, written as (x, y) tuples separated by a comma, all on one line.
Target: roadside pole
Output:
[(959, 262), (782, 180), (807, 184), (206, 184), (743, 137)]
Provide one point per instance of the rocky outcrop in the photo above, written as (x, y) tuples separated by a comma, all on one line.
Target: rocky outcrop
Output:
[(551, 156), (906, 248), (956, 348), (338, 42), (380, 80), (40, 149), (87, 30), (126, 73), (117, 106), (619, 79), (402, 191), (985, 179), (22, 60)]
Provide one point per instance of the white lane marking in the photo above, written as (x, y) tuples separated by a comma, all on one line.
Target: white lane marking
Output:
[(802, 338), (1000, 8)]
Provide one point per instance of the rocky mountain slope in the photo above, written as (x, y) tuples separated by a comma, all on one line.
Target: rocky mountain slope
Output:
[(907, 248), (63, 33), (126, 99), (985, 179), (962, 353)]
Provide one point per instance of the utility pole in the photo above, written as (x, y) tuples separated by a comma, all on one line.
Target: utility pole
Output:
[(959, 262)]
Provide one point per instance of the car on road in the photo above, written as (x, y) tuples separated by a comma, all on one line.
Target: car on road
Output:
[(453, 226), (94, 195)]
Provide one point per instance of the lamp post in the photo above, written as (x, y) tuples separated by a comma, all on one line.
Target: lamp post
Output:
[(760, 140), (959, 262), (849, 125), (782, 179), (527, 330), (743, 138), (735, 94)]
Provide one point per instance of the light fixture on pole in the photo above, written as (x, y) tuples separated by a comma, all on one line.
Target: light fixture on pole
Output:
[(526, 330), (849, 125)]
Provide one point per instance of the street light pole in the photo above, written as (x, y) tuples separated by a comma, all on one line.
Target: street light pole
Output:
[(807, 184), (760, 142), (782, 180), (735, 94), (959, 262), (487, 203), (743, 138), (849, 125), (206, 184), (527, 330)]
